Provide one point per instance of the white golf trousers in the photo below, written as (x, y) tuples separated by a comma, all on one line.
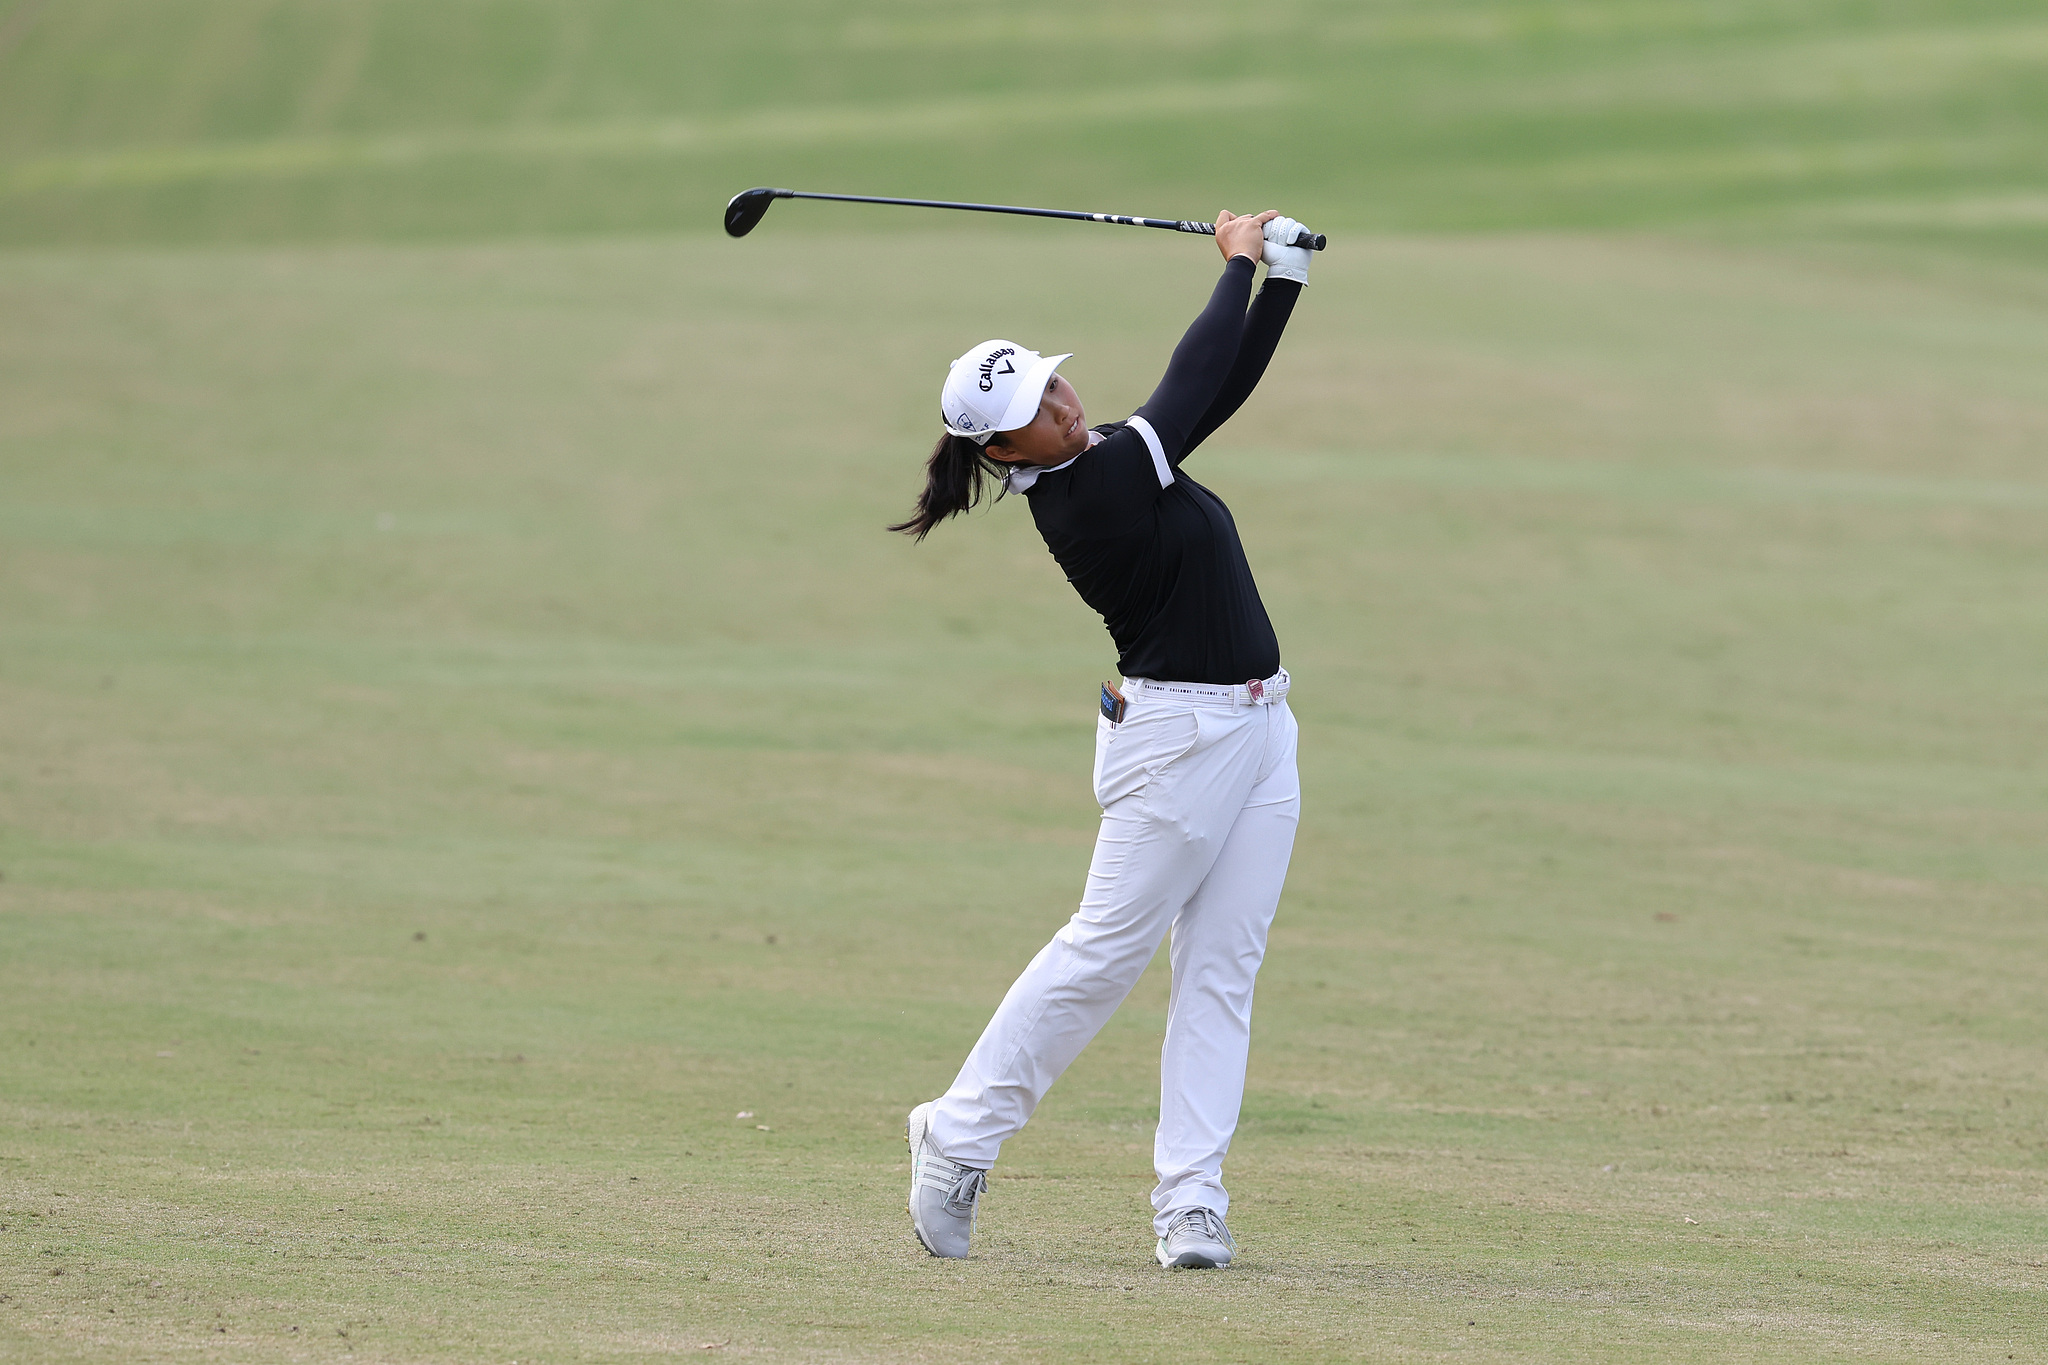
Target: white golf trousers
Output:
[(1199, 805)]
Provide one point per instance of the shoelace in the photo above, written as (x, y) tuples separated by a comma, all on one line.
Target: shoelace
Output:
[(1202, 1223), (966, 1192)]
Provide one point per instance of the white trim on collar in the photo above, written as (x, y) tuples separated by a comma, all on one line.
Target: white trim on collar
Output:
[(1020, 480)]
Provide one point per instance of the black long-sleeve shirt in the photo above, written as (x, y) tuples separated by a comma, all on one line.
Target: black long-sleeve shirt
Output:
[(1153, 551)]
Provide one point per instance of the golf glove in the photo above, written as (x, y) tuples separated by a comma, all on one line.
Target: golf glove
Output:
[(1284, 262)]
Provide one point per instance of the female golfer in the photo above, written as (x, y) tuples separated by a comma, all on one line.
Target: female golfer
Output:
[(1194, 754)]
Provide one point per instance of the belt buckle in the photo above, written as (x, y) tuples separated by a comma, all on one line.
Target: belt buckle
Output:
[(1257, 688)]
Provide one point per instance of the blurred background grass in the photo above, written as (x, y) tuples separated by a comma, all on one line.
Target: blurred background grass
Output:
[(464, 738), (292, 119)]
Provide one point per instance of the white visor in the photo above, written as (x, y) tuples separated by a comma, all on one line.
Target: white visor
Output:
[(995, 387)]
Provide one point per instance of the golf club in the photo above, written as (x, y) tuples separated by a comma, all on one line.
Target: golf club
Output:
[(747, 208)]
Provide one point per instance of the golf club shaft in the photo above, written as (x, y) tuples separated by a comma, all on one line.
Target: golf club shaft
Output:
[(1315, 241)]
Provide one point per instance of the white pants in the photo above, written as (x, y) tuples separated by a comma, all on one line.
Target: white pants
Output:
[(1199, 805)]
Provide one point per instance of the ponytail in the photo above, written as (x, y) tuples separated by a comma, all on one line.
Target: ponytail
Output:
[(954, 480)]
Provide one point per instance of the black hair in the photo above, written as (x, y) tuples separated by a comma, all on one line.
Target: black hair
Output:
[(954, 479)]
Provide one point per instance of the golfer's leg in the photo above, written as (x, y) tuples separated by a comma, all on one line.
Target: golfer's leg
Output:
[(1219, 940), (1143, 871)]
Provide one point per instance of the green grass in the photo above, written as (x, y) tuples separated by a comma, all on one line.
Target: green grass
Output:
[(464, 736), (1659, 977), (126, 120)]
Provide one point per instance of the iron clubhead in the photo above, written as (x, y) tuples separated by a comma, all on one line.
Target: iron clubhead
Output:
[(746, 209)]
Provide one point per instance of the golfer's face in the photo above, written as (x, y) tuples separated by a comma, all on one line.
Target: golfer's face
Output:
[(1058, 433)]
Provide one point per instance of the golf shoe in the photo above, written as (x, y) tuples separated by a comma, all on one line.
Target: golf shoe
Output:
[(944, 1195), (1196, 1240)]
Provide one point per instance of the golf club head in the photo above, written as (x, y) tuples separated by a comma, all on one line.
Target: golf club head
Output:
[(746, 208)]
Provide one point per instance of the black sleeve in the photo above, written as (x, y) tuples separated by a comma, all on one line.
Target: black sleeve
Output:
[(1262, 328), (1202, 361)]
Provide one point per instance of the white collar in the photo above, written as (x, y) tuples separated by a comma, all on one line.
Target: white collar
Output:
[(1020, 480)]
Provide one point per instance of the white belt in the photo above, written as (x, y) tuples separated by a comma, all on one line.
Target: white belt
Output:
[(1257, 692)]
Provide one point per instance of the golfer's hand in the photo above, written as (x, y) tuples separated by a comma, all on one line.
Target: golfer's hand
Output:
[(1245, 236), (1284, 260)]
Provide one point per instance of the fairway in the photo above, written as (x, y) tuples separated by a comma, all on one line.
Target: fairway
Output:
[(467, 738), (494, 836)]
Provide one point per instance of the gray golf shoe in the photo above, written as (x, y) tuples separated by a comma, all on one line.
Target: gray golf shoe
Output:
[(944, 1195), (1196, 1240)]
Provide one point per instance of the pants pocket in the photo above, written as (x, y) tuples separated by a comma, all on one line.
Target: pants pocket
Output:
[(1129, 756)]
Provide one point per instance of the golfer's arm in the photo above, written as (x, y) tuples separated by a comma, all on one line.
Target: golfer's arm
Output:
[(1202, 361), (1261, 336)]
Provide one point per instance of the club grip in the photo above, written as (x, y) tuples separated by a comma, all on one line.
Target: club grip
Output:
[(1314, 241)]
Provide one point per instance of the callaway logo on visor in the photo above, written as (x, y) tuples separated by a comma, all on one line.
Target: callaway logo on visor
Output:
[(989, 370)]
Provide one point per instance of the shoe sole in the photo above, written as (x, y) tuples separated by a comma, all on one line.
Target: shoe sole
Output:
[(1187, 1260)]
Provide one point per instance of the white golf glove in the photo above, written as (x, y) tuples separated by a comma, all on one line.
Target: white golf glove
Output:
[(1284, 262)]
